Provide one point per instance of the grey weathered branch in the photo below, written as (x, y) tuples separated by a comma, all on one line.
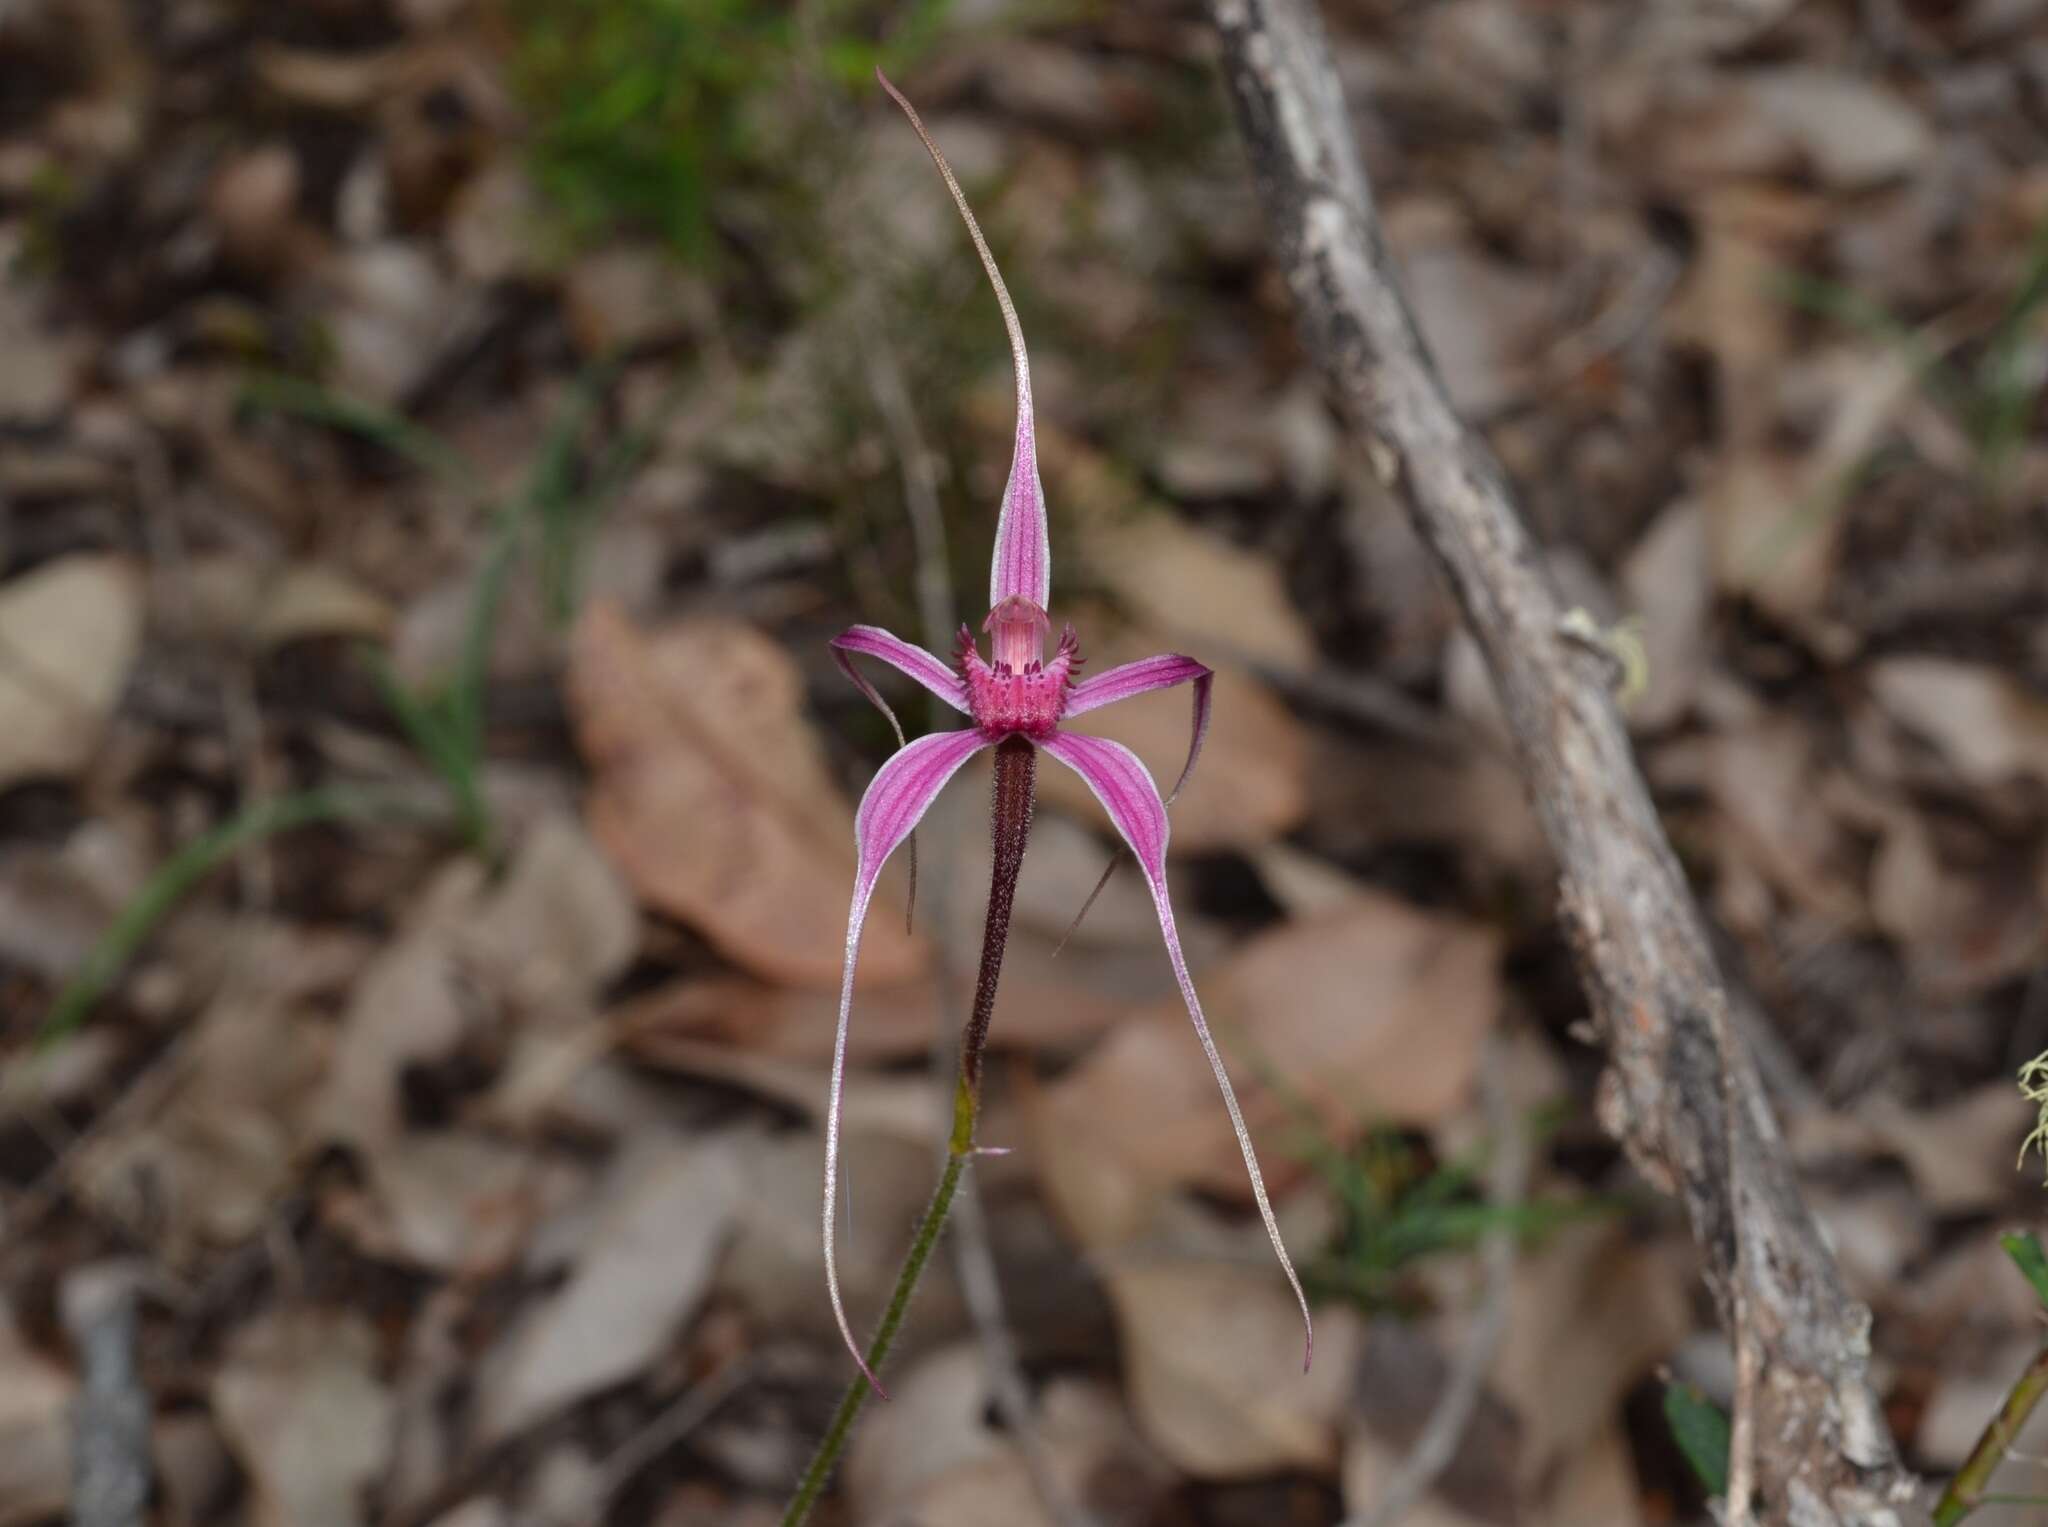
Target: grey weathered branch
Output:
[(1681, 1092)]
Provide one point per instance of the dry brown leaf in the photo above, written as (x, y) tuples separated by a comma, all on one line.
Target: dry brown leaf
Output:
[(1960, 931), (625, 295), (1480, 316), (933, 1458), (1214, 599), (641, 1262), (35, 1431), (342, 82), (1960, 1154), (233, 598), (1850, 132), (1988, 726), (1765, 780), (1589, 1314), (712, 796), (1063, 866), (1371, 1014), (773, 1020), (497, 222), (1773, 517), (1776, 518), (252, 201), (308, 599), (408, 1008), (444, 1200), (194, 1471), (559, 928), (1034, 1011), (1597, 1484), (391, 309), (1406, 1376), (1367, 795), (1668, 584), (773, 1267), (210, 1165), (1369, 1463), (1212, 1364), (69, 634), (298, 1397), (41, 368)]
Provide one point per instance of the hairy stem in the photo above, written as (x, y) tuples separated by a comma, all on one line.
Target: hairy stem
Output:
[(1016, 778), (1965, 1493), (1016, 781)]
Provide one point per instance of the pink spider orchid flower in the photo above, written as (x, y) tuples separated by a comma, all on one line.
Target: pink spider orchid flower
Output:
[(1017, 693)]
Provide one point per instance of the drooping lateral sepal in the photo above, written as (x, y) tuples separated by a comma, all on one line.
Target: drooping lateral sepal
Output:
[(1120, 782), (903, 790), (1022, 565)]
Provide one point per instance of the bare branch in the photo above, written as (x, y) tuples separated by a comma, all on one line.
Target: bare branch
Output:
[(1682, 1092)]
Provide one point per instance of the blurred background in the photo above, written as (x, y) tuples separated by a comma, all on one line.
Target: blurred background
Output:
[(437, 438)]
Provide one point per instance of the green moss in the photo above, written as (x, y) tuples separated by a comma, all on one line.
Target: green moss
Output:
[(647, 112)]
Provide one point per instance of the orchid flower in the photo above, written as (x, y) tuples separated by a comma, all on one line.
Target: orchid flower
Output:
[(1016, 700)]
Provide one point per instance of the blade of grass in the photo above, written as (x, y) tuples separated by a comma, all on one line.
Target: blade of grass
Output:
[(137, 920), (2010, 387), (395, 433), (428, 727), (1850, 308)]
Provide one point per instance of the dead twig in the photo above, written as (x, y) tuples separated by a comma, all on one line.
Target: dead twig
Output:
[(110, 1457), (1682, 1092)]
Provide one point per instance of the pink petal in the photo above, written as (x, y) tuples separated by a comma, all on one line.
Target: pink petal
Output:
[(1127, 793), (906, 658), (1022, 566), (902, 791), (1141, 677)]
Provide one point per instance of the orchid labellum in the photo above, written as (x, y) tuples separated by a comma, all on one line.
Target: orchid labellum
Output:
[(1018, 702)]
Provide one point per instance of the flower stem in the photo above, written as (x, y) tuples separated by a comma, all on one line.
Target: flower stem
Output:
[(850, 1403), (1015, 790), (1966, 1491)]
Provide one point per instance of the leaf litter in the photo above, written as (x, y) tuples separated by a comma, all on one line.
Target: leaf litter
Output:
[(457, 1166)]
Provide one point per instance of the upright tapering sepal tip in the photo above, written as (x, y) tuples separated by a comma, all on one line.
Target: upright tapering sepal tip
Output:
[(1022, 565)]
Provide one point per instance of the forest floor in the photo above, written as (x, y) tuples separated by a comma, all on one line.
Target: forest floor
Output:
[(436, 442)]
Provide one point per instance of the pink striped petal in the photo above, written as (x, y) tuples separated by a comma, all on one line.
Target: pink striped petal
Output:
[(1127, 793), (902, 791), (1022, 566), (1141, 677), (906, 658)]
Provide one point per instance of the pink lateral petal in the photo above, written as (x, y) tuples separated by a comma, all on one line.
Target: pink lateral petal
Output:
[(1113, 772), (907, 658), (902, 792), (1142, 677), (1022, 565)]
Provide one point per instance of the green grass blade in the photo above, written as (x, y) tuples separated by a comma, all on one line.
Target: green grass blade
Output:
[(1853, 310), (395, 433), (434, 734), (162, 892)]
